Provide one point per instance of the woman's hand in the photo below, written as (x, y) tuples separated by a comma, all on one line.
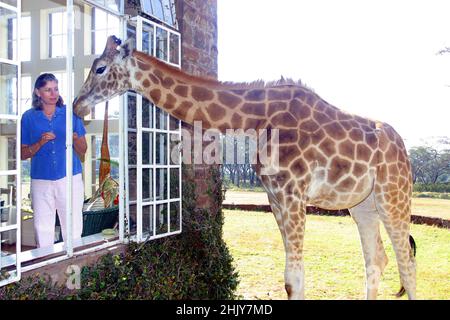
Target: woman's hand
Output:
[(46, 137)]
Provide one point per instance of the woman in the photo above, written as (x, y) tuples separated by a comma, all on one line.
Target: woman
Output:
[(44, 141)]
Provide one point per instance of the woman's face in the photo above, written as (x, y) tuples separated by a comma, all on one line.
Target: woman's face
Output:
[(49, 93)]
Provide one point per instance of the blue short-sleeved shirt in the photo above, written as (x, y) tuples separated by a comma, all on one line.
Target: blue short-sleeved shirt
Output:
[(49, 163)]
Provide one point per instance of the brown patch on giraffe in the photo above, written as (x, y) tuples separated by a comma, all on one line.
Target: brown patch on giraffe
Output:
[(279, 95), (153, 79), (256, 109), (170, 102), (288, 153), (360, 187), (300, 94), (138, 75), (202, 94), (182, 91), (239, 92), (318, 136), (304, 140), (228, 99), (346, 124), (284, 120), (146, 83), (313, 156), (347, 149), (311, 100), (344, 116), (274, 107), (200, 116), (256, 95), (133, 62), (393, 169), (182, 110), (288, 136), (167, 83), (371, 139), (363, 152), (309, 126), (299, 168), (338, 168), (143, 66), (356, 135), (155, 95), (320, 106), (335, 131), (382, 174), (289, 189), (299, 110), (215, 112), (328, 147), (331, 113), (320, 117), (251, 123), (103, 85), (391, 153), (346, 185), (236, 121), (359, 169), (105, 93)]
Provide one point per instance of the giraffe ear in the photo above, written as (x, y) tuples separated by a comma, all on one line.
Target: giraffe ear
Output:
[(127, 48)]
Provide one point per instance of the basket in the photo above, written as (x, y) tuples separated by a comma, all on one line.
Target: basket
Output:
[(95, 221), (98, 220)]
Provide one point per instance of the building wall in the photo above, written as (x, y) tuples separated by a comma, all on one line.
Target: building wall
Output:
[(197, 21)]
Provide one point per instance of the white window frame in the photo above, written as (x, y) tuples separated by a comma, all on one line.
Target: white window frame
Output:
[(140, 234), (14, 276)]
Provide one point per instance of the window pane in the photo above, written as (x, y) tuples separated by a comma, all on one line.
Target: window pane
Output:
[(161, 148), (158, 9), (174, 49), (175, 217), (161, 44), (132, 184), (8, 257), (167, 11), (113, 4), (25, 103), (25, 39), (10, 2), (58, 46), (147, 148), (8, 131), (131, 34), (147, 114), (131, 111), (161, 219), (147, 6), (132, 142), (147, 38), (147, 219), (8, 89), (133, 218), (174, 183), (8, 202), (175, 149), (161, 119), (174, 123), (161, 184), (147, 185), (8, 22)]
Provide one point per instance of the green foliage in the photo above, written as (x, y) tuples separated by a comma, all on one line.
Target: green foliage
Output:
[(432, 187), (193, 265)]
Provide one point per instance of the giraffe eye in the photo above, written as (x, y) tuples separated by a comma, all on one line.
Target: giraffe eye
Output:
[(100, 70)]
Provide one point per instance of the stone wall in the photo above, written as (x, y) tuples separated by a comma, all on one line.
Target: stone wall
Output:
[(197, 22)]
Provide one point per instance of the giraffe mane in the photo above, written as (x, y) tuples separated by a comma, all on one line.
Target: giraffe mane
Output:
[(213, 83)]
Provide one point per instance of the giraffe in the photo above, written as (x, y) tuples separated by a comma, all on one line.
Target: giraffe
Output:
[(327, 157)]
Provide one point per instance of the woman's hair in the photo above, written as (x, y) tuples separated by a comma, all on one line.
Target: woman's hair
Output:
[(41, 81)]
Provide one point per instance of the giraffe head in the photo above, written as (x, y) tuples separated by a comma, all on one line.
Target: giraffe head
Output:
[(109, 76)]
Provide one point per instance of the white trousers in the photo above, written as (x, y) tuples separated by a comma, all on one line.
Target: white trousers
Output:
[(50, 196)]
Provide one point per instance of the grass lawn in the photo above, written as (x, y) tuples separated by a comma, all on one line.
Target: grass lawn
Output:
[(333, 258)]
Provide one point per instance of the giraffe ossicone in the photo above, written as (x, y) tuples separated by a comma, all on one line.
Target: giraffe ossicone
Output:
[(328, 158)]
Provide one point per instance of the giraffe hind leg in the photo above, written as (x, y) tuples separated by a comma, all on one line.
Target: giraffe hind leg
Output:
[(367, 220)]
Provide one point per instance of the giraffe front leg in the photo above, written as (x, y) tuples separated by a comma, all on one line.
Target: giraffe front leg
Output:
[(294, 275)]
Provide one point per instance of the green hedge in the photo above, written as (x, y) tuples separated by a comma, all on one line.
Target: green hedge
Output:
[(432, 187), (193, 265)]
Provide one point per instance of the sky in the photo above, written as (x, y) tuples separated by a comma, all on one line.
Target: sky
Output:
[(374, 58)]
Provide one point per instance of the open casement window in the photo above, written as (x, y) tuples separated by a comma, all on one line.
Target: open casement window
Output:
[(10, 69), (153, 158)]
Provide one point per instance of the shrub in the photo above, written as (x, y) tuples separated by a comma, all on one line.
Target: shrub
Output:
[(432, 187)]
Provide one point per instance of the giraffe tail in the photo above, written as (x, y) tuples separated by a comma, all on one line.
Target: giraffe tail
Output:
[(412, 243)]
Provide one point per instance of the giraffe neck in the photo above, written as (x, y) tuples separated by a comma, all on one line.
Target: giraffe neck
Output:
[(189, 98)]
